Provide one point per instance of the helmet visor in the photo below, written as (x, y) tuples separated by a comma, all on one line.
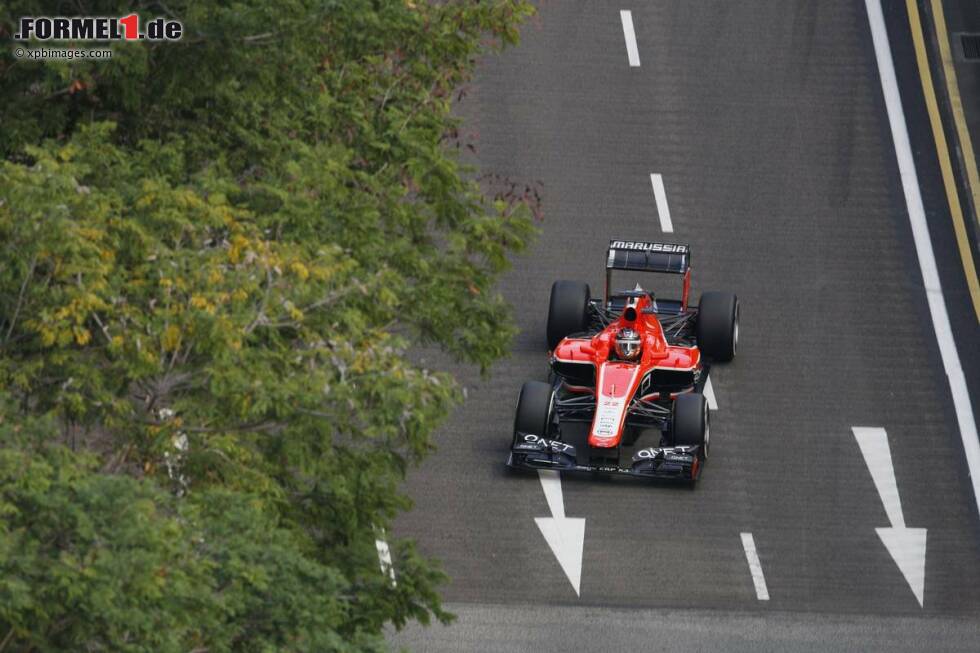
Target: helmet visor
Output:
[(628, 347)]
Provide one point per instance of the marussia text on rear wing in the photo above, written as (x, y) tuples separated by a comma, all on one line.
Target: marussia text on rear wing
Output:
[(642, 256)]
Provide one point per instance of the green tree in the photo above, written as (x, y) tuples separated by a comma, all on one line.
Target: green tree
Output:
[(214, 255), (94, 561)]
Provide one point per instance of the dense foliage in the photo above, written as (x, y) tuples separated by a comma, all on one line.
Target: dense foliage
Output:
[(214, 254)]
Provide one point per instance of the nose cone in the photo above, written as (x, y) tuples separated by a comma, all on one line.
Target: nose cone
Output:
[(617, 381), (603, 443)]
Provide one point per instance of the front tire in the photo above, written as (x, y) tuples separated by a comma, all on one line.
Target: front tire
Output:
[(689, 422), (568, 310), (533, 409), (717, 327)]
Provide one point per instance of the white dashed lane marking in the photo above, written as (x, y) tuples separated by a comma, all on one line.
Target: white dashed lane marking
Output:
[(634, 54), (755, 567), (657, 181)]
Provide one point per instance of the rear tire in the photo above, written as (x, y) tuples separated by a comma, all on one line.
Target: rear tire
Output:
[(717, 327), (689, 423), (533, 409), (568, 310)]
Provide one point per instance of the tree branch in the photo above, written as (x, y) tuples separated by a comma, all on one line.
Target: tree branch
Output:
[(20, 301), (7, 639)]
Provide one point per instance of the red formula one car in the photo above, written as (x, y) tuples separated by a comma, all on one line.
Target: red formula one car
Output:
[(632, 365)]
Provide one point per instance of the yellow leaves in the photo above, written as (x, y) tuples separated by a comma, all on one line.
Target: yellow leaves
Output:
[(359, 365), (82, 335), (66, 324), (187, 199), (239, 295), (295, 313), (322, 272), (146, 200), (89, 233), (154, 192), (202, 303), (148, 357), (67, 153), (169, 421), (94, 302), (329, 271), (228, 217), (215, 276), (198, 301), (238, 244), (300, 270), (62, 337), (48, 335), (171, 338)]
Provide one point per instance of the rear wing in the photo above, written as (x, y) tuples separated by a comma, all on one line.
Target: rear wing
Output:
[(642, 256)]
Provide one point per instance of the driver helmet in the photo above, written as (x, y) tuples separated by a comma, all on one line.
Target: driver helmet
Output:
[(628, 344)]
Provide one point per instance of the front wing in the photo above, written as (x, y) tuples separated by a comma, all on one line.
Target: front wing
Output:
[(531, 451)]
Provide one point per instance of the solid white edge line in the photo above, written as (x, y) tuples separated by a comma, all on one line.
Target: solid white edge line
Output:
[(755, 567), (631, 50), (923, 246), (384, 558), (657, 181)]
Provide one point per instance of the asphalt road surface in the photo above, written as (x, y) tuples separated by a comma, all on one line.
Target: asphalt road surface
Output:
[(768, 125)]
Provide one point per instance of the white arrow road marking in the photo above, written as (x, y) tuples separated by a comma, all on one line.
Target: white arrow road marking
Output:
[(877, 455), (709, 394), (907, 546), (755, 567), (634, 54), (565, 535), (660, 195), (551, 484), (384, 557)]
